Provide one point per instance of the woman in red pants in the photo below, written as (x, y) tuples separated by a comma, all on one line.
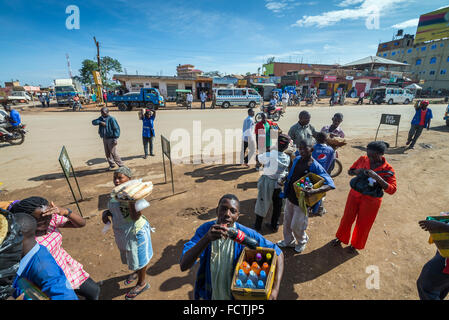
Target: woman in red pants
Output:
[(374, 176)]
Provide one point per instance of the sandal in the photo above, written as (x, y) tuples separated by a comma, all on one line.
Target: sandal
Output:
[(131, 279), (336, 242), (135, 292)]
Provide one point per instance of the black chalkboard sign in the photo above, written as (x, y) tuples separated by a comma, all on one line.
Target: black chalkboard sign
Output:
[(390, 120)]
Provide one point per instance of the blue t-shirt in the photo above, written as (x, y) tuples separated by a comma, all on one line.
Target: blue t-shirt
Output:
[(324, 154), (40, 268), (14, 118)]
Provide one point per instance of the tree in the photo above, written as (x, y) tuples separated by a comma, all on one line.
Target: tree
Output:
[(270, 60), (212, 74), (108, 65)]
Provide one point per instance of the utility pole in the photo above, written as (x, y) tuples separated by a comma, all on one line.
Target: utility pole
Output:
[(68, 65), (99, 91)]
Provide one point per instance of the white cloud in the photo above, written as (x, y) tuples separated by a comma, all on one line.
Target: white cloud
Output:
[(406, 24), (366, 9), (277, 6)]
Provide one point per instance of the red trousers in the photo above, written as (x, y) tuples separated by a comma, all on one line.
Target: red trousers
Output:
[(364, 209)]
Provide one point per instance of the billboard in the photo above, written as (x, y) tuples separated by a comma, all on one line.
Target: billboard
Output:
[(433, 25)]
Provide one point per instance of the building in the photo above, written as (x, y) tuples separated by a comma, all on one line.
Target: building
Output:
[(427, 52), (188, 70), (279, 69)]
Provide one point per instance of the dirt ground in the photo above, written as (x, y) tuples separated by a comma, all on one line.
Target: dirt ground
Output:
[(397, 246)]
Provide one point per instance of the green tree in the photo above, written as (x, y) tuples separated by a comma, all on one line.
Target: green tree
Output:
[(108, 65)]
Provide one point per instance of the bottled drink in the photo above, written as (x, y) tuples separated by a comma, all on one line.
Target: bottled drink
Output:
[(266, 268), (245, 267), (253, 276), (239, 283), (268, 257), (240, 237), (256, 268), (242, 276), (263, 276), (260, 284), (258, 258), (250, 285)]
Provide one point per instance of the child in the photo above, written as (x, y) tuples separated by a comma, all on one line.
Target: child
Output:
[(132, 236)]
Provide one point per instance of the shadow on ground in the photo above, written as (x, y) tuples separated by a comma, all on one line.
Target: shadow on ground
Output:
[(300, 268), (391, 150), (95, 161), (226, 172)]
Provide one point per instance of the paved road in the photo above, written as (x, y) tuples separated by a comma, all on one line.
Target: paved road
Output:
[(22, 166)]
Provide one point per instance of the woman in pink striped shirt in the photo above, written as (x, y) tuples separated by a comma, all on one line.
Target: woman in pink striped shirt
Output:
[(49, 219)]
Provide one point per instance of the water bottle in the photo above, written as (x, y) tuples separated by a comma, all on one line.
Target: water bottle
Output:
[(260, 284), (253, 276), (239, 283), (263, 276), (250, 285), (240, 237), (242, 276)]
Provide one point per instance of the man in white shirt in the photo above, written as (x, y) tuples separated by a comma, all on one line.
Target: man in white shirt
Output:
[(249, 140), (285, 97), (189, 100), (203, 97)]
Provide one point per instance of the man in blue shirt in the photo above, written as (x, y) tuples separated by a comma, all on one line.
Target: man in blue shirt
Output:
[(147, 116), (212, 246), (38, 267), (12, 120), (109, 131), (421, 120), (324, 154)]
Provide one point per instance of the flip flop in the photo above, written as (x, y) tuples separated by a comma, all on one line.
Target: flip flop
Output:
[(134, 293), (130, 279)]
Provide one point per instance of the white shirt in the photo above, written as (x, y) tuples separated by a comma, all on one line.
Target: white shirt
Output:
[(203, 96), (190, 97), (275, 164), (285, 97), (248, 128)]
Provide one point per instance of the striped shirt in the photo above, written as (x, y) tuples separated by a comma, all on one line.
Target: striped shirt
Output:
[(52, 240)]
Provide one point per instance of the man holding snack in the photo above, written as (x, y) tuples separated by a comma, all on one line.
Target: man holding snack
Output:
[(132, 230), (219, 254)]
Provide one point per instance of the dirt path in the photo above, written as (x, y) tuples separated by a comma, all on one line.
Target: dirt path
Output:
[(397, 246)]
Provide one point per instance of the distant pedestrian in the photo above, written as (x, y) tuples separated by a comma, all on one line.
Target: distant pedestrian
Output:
[(47, 99), (249, 139), (362, 95), (189, 100), (147, 116), (42, 100), (109, 131), (420, 121), (105, 98), (285, 98), (203, 97)]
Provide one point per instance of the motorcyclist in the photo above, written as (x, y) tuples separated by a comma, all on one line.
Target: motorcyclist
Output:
[(76, 100), (11, 120)]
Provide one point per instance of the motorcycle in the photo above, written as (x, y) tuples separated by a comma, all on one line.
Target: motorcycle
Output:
[(76, 105), (18, 135), (337, 167), (274, 115)]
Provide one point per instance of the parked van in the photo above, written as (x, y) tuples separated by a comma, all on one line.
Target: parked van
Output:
[(21, 94), (226, 97), (392, 95)]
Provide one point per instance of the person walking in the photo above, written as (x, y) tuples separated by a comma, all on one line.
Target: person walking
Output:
[(263, 136), (147, 116), (203, 97), (42, 100), (421, 120), (47, 100), (285, 98), (374, 176), (189, 100), (249, 141), (109, 131), (362, 95), (132, 233)]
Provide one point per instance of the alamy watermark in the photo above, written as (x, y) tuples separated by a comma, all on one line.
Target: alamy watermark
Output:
[(73, 20), (373, 280)]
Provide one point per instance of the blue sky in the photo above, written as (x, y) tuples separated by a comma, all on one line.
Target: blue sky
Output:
[(153, 37)]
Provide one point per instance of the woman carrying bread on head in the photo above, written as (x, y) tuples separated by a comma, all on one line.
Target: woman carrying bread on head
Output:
[(374, 176), (132, 233)]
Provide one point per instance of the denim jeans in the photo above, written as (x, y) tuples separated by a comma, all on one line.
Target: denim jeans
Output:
[(147, 141), (414, 133)]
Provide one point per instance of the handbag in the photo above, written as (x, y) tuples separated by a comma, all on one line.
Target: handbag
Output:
[(361, 184)]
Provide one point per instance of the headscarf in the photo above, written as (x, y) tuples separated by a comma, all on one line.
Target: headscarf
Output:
[(28, 205), (125, 171), (378, 146)]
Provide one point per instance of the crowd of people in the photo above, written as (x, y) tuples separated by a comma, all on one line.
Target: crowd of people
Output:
[(302, 152)]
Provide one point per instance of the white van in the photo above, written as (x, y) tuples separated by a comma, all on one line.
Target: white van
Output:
[(21, 94), (394, 95), (226, 97)]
